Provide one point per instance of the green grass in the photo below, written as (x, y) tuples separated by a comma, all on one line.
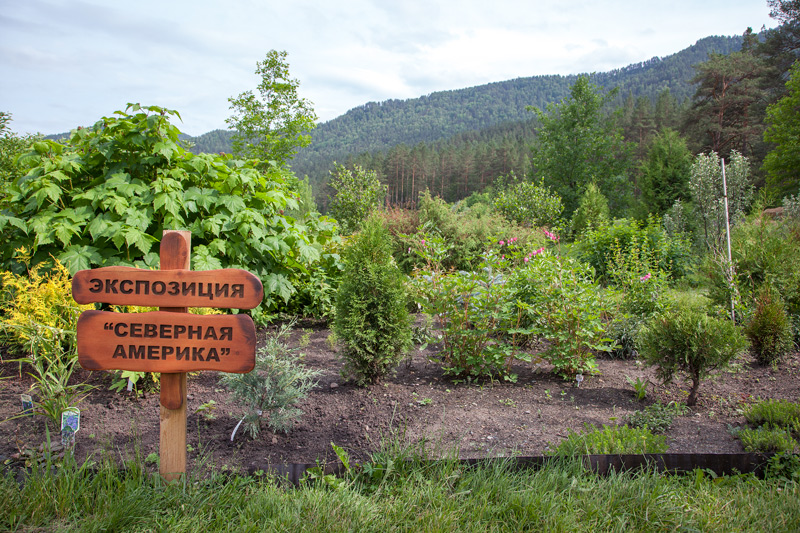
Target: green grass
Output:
[(419, 496)]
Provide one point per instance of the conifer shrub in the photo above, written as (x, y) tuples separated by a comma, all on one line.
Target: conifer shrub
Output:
[(769, 329), (270, 393), (685, 340), (372, 323), (592, 211)]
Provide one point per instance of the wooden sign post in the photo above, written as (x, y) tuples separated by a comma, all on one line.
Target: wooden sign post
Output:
[(170, 341)]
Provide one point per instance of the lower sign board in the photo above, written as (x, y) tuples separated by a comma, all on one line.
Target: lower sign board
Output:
[(161, 341)]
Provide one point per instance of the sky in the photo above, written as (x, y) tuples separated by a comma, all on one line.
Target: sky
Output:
[(65, 64)]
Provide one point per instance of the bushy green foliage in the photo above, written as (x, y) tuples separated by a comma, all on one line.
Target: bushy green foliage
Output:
[(665, 172), (708, 194), (358, 193), (474, 312), (635, 275), (372, 322), (657, 417), (782, 161), (767, 440), (778, 413), (610, 440), (764, 252), (527, 203), (271, 391), (685, 340), (106, 197), (11, 147), (599, 245), (39, 320), (560, 302), (592, 211), (467, 235), (768, 328)]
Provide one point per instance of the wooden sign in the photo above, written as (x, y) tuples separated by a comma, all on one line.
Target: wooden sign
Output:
[(169, 341), (166, 342), (230, 288)]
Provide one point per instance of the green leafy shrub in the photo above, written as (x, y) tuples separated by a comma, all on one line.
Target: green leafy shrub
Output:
[(768, 328), (473, 311), (467, 235), (272, 390), (372, 323), (767, 439), (559, 301), (106, 196), (529, 204), (359, 192), (657, 417), (777, 413), (597, 246), (763, 251), (610, 440), (634, 272), (684, 340)]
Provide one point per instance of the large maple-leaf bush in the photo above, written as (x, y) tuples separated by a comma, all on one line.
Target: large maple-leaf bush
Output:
[(105, 196)]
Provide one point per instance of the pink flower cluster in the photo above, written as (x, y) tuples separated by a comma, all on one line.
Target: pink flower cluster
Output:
[(533, 253), (551, 236), (645, 277), (512, 240)]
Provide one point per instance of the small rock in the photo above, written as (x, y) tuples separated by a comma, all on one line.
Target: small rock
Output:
[(527, 412), (274, 440), (334, 385), (366, 427)]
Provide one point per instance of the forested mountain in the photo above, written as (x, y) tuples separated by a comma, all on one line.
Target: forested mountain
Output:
[(455, 142), (380, 126)]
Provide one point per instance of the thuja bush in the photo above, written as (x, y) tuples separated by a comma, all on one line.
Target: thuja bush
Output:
[(685, 341), (768, 328), (371, 322)]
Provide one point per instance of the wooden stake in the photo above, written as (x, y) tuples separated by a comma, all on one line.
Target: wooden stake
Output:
[(175, 253)]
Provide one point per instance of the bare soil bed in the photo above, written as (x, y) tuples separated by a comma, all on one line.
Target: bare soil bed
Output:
[(416, 404)]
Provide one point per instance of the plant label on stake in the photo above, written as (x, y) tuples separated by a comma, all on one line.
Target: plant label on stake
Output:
[(27, 404), (70, 424)]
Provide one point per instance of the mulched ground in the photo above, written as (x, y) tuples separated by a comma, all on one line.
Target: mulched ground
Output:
[(415, 405)]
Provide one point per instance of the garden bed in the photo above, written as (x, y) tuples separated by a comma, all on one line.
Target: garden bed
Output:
[(416, 404)]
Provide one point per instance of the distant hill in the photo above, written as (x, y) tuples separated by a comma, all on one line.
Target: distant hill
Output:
[(442, 115), (381, 125)]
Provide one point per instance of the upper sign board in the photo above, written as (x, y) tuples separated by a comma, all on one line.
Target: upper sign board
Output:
[(229, 288)]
